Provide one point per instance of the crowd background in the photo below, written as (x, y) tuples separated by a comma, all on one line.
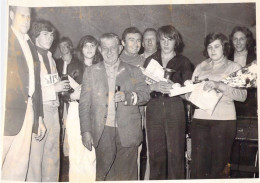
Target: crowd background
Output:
[(194, 21)]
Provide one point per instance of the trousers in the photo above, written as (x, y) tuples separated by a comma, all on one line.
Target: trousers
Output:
[(113, 161), (165, 122), (16, 149), (211, 142), (44, 161)]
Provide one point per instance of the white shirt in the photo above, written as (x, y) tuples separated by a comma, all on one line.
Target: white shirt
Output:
[(23, 38), (49, 95), (240, 58)]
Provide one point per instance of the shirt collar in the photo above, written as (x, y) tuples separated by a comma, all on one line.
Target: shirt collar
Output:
[(218, 63), (19, 35)]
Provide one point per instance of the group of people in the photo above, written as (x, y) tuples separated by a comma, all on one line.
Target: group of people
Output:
[(111, 104)]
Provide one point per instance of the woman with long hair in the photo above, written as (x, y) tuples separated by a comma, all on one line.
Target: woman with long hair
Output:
[(82, 161)]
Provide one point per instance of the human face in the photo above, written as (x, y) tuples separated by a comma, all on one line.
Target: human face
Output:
[(110, 50), (167, 44), (21, 19), (215, 50), (45, 40), (89, 50), (64, 48), (132, 43), (239, 41), (149, 42)]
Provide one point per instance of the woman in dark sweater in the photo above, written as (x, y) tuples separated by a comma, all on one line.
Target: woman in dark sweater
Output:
[(165, 116), (243, 52)]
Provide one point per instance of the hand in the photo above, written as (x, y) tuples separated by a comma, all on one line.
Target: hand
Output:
[(61, 86), (211, 85), (162, 87), (188, 82), (76, 94), (176, 85), (119, 96), (67, 58), (87, 140), (41, 130)]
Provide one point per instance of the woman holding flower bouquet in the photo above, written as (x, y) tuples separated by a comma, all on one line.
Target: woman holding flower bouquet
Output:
[(212, 135)]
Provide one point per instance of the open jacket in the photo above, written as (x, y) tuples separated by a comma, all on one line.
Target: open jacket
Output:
[(93, 105), (17, 86)]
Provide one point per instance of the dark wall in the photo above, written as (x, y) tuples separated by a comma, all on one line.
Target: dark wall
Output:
[(193, 21)]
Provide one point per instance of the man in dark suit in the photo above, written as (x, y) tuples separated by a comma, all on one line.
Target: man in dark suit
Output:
[(23, 108), (111, 121)]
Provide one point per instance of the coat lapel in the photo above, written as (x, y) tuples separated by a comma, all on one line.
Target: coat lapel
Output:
[(120, 76), (20, 61), (101, 76)]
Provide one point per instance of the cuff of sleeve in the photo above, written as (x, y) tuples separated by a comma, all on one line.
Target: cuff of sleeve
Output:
[(134, 98)]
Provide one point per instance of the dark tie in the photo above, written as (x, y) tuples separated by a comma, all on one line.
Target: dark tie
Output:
[(45, 58)]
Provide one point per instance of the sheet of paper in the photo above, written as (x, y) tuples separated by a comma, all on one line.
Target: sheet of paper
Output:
[(154, 72), (73, 83), (205, 100), (155, 68), (182, 90)]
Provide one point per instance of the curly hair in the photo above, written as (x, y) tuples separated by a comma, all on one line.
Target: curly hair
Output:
[(41, 25), (250, 41), (169, 31), (211, 37)]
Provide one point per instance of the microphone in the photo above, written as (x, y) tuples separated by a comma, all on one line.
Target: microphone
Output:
[(117, 89)]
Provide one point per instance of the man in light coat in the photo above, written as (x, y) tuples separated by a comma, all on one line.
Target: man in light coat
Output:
[(110, 121)]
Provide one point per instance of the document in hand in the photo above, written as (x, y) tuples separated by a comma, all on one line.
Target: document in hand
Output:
[(73, 83), (205, 100), (154, 72), (182, 90)]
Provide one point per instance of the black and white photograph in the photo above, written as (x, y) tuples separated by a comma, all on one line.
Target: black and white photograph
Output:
[(129, 91)]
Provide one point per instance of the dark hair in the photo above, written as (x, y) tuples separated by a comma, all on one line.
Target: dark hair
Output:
[(41, 25), (89, 39), (131, 30), (67, 40), (211, 37), (250, 41), (169, 31)]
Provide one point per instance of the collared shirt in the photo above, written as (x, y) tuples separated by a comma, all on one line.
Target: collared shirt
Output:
[(216, 71), (49, 95), (23, 38), (240, 57), (111, 78)]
